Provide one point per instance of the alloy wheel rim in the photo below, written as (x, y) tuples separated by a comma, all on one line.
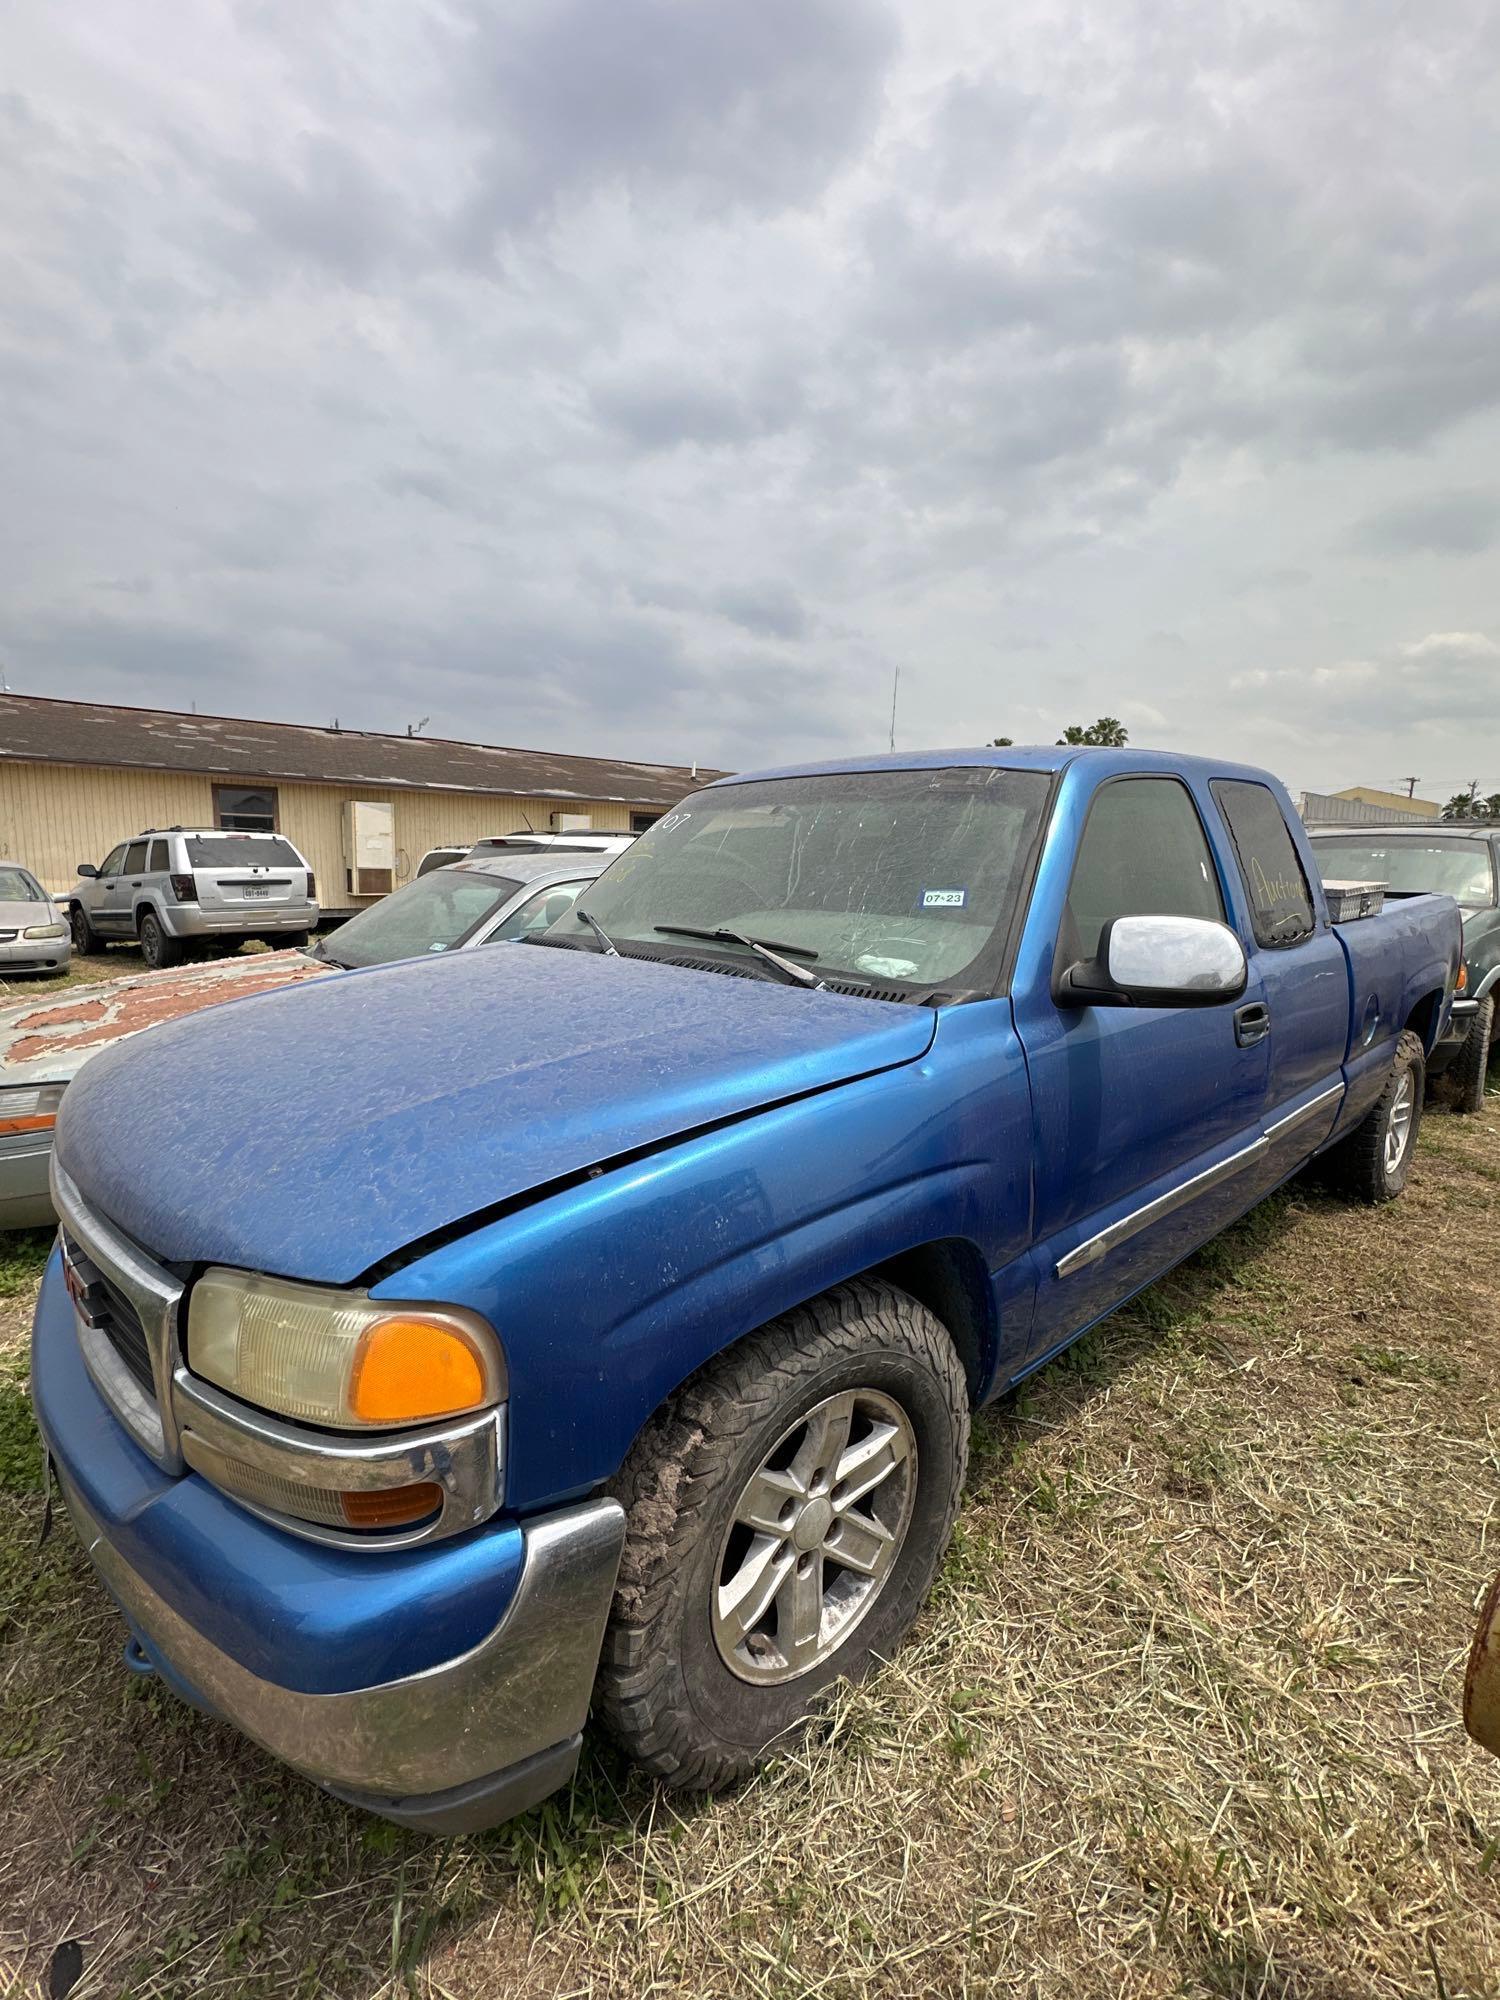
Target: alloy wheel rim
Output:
[(1398, 1125), (815, 1534)]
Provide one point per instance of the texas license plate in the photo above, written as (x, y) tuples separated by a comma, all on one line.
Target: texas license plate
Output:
[(256, 889)]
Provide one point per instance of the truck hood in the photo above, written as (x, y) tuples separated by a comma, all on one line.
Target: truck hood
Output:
[(49, 1038), (312, 1133)]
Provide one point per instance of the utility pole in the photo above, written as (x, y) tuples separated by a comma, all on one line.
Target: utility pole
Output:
[(1411, 785), (895, 685)]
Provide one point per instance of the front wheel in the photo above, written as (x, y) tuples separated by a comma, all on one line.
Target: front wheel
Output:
[(786, 1513), (157, 948), (1373, 1163), (84, 938)]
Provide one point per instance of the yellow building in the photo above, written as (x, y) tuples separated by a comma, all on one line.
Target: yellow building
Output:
[(1395, 802), (77, 777)]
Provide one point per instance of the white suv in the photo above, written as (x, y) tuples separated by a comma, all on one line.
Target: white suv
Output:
[(171, 888)]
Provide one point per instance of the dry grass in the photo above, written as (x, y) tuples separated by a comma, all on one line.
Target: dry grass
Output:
[(81, 972), (1181, 1721)]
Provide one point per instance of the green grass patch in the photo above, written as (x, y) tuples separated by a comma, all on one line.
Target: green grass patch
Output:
[(23, 1258)]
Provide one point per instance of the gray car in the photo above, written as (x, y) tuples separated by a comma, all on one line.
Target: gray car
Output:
[(491, 900), (33, 936), (174, 888)]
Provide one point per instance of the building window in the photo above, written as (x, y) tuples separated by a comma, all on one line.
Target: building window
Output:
[(640, 821), (246, 808)]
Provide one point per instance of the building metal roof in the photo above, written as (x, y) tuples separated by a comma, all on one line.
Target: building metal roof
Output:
[(37, 729)]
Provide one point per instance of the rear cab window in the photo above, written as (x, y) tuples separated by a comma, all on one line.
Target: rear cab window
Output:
[(157, 863), (1281, 904)]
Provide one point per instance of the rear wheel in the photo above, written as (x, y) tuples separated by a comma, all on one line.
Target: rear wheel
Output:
[(1373, 1163), (1470, 1071), (157, 948), (85, 938), (786, 1513)]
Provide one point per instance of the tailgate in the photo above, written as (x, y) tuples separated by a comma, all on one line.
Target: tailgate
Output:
[(249, 888)]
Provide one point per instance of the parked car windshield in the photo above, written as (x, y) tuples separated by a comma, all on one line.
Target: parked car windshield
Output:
[(241, 850), (434, 913), (1457, 868), (902, 876), (16, 886)]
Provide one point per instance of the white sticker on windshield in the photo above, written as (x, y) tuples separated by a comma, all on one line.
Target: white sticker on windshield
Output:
[(944, 899)]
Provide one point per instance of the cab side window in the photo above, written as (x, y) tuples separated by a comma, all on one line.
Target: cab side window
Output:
[(157, 863), (1281, 906), (135, 858), (1143, 854), (110, 865)]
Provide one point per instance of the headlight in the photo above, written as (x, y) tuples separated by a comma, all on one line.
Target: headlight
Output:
[(46, 931), (341, 1359), (30, 1107)]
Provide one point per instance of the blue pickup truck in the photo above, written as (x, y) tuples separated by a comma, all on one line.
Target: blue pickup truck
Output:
[(434, 1351)]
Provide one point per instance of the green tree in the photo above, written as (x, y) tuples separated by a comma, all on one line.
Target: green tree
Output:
[(1003, 742), (1108, 731), (1460, 806)]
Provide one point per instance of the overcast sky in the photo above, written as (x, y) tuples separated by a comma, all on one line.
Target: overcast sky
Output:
[(655, 377)]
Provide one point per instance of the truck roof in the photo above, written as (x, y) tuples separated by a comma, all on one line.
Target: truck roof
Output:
[(1015, 757)]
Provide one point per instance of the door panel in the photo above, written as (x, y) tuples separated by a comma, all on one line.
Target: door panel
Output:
[(1302, 970), (1148, 1120), (1136, 1107), (109, 895)]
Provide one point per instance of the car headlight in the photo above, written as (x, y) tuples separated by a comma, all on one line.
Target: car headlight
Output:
[(45, 931), (337, 1358), (30, 1107)]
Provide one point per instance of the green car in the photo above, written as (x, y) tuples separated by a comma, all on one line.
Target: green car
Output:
[(1451, 858)]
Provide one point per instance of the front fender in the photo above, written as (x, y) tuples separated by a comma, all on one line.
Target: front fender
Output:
[(609, 1295)]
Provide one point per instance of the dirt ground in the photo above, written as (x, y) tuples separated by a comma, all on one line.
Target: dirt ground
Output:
[(1181, 1720)]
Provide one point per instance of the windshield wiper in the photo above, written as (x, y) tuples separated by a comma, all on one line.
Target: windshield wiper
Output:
[(320, 951), (798, 974), (605, 944)]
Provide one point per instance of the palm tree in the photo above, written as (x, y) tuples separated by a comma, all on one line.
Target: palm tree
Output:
[(1460, 806)]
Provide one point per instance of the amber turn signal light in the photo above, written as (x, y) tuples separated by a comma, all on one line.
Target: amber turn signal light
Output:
[(412, 1368), (394, 1508)]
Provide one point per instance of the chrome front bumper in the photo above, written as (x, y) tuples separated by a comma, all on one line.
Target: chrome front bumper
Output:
[(465, 1744)]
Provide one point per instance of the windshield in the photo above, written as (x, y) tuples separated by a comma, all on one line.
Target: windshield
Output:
[(1457, 868), (435, 913), (241, 850), (16, 886), (901, 876)]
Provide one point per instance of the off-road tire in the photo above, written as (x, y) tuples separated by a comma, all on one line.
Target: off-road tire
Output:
[(158, 950), (86, 939), (1356, 1166), (1469, 1071), (663, 1691)]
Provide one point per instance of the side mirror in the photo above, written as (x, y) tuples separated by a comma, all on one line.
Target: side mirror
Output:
[(1158, 962), (87, 868)]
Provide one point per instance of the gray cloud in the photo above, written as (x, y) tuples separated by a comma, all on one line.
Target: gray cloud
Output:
[(1462, 523), (639, 376)]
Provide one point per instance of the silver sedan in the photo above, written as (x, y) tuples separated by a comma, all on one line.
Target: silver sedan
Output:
[(33, 936)]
